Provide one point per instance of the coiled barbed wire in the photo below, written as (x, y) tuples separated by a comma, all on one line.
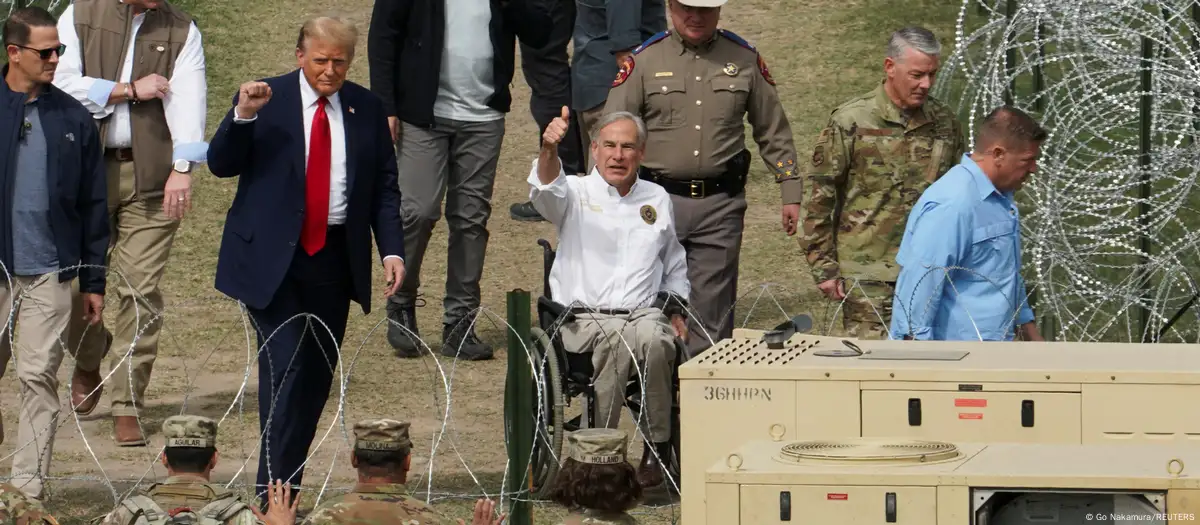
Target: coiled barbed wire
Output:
[(1111, 235)]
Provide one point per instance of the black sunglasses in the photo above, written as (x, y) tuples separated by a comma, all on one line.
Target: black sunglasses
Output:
[(44, 54)]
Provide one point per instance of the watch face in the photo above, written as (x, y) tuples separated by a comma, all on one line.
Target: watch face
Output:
[(183, 166)]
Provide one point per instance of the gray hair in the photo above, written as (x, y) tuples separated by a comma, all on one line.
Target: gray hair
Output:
[(913, 37), (615, 116)]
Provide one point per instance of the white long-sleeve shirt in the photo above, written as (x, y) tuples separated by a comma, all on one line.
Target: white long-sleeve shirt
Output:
[(613, 252), (185, 105)]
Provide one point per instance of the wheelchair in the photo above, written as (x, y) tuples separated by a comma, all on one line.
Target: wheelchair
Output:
[(562, 378)]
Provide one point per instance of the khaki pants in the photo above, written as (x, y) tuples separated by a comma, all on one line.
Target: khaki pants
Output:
[(617, 343), (587, 119), (43, 309), (867, 310), (141, 238)]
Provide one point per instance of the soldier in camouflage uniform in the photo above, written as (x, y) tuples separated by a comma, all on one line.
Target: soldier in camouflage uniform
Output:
[(382, 457), (190, 455), (870, 164), (596, 483), (19, 509)]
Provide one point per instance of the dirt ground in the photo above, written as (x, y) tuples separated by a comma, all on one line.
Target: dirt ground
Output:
[(820, 52)]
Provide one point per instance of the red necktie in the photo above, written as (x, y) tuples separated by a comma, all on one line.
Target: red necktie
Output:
[(316, 196)]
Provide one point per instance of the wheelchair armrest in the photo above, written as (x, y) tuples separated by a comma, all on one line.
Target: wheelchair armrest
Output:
[(548, 309), (671, 304)]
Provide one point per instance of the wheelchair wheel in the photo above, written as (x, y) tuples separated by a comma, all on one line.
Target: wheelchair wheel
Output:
[(548, 442)]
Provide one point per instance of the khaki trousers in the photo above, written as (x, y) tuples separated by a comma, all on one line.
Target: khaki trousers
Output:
[(141, 239), (43, 309), (644, 337), (587, 119), (867, 310)]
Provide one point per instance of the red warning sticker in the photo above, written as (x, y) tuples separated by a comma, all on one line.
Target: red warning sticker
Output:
[(970, 415), (838, 497), (974, 403)]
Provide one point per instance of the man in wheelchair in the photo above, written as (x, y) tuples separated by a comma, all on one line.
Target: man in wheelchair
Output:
[(622, 272)]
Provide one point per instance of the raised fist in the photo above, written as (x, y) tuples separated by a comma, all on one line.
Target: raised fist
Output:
[(252, 96), (556, 130)]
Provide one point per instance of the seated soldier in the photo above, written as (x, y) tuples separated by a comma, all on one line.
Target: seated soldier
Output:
[(382, 458), (187, 496), (18, 508), (596, 483), (621, 269)]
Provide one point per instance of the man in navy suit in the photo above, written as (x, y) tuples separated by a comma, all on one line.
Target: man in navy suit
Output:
[(317, 176)]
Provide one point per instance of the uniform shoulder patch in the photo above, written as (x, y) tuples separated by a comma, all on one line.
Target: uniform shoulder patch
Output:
[(736, 39), (625, 69), (651, 41), (766, 73)]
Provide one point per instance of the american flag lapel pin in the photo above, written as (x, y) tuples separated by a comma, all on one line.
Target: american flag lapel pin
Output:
[(350, 109)]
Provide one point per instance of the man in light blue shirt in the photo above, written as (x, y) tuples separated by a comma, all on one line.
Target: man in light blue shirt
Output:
[(961, 253)]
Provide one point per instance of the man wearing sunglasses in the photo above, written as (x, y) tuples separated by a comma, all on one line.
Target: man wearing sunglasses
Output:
[(53, 219), (138, 66)]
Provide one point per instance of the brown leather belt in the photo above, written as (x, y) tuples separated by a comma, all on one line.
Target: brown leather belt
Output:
[(119, 154)]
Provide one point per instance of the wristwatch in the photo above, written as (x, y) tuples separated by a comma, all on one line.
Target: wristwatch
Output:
[(182, 166)]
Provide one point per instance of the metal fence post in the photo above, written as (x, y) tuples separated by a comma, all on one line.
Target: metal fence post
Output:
[(518, 408)]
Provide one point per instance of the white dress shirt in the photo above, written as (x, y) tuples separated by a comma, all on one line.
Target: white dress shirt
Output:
[(185, 104), (613, 251)]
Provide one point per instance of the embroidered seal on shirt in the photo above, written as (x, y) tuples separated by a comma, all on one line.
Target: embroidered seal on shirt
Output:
[(626, 68), (818, 156), (649, 215)]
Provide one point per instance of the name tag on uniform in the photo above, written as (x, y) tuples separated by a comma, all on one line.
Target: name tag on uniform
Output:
[(664, 74)]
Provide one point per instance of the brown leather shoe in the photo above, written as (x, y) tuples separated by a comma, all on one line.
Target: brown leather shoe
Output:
[(127, 433), (82, 384), (650, 472)]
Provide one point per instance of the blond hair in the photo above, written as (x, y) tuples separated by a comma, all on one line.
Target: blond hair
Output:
[(329, 29)]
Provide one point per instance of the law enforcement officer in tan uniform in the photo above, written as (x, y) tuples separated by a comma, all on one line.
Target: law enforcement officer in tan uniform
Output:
[(383, 455), (190, 455), (693, 86), (870, 164)]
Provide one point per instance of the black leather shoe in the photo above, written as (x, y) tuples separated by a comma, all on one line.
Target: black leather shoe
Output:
[(401, 317), (459, 341), (525, 212)]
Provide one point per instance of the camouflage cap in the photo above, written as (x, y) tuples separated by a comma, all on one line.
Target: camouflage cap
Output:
[(598, 446), (190, 431), (381, 434)]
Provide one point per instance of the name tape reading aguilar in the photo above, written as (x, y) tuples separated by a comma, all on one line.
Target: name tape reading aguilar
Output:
[(1103, 516)]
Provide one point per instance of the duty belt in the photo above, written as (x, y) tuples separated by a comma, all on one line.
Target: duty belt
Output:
[(731, 182)]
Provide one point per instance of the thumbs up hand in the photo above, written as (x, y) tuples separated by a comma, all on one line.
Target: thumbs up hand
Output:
[(556, 130)]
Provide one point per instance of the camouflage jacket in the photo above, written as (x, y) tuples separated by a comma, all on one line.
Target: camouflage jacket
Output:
[(376, 505), (182, 491), (867, 170), (591, 517), (19, 509)]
